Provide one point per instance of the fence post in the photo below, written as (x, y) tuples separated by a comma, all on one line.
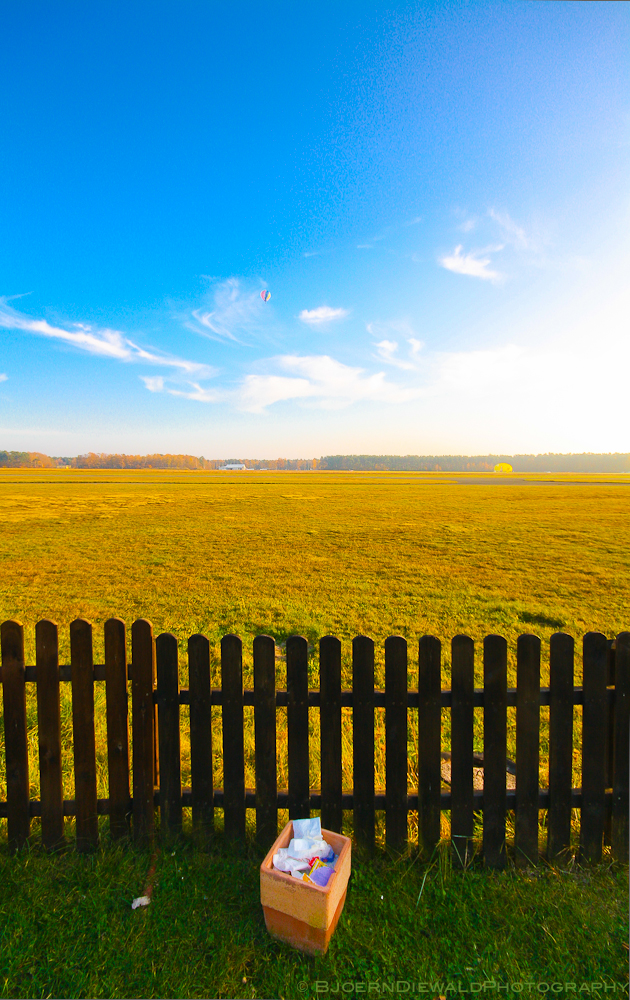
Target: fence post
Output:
[(593, 747), (297, 720), (117, 727), (143, 729), (49, 733), (363, 740), (429, 744), (396, 742), (15, 735), (527, 748), (330, 731), (201, 735), (621, 769), (168, 732), (265, 739), (561, 650), (462, 724), (233, 749), (494, 749), (82, 668), (610, 741)]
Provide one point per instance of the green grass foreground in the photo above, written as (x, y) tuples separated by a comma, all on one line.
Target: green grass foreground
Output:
[(316, 554), (68, 930)]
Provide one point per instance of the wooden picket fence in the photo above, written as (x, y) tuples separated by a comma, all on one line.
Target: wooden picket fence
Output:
[(156, 764)]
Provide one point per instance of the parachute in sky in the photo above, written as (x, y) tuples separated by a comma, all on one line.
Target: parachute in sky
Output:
[(265, 295), (503, 467)]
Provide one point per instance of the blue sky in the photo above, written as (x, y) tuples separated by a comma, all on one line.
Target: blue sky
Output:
[(435, 194)]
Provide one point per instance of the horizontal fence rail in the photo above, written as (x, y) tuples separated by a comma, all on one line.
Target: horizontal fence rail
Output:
[(151, 683)]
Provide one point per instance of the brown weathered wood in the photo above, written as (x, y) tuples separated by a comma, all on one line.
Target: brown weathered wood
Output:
[(429, 744), (396, 741), (527, 748), (168, 732), (330, 713), (297, 721), (233, 748), (49, 733), (593, 747), (494, 750), (143, 729), (15, 733), (117, 706), (82, 667), (265, 739), (621, 775), (610, 741), (462, 721), (363, 740), (201, 735), (561, 654)]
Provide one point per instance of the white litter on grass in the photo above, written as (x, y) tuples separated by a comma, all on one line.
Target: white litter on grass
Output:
[(140, 901)]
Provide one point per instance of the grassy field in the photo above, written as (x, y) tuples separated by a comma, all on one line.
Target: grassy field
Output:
[(316, 554)]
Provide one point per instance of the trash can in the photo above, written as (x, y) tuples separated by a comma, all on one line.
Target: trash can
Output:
[(299, 913)]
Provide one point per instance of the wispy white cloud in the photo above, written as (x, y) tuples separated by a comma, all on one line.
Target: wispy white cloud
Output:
[(322, 379), (323, 314), (102, 342), (387, 351), (154, 383), (199, 394), (387, 347), (511, 232), (473, 264), (3, 377), (237, 314), (196, 391)]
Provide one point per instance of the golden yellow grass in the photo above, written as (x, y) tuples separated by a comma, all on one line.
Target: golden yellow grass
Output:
[(315, 554)]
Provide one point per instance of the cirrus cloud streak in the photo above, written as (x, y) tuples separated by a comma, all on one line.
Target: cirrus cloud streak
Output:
[(102, 342)]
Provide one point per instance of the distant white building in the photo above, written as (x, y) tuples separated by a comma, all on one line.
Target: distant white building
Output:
[(232, 467)]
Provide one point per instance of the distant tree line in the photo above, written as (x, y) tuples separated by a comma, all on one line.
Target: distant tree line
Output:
[(93, 460), (26, 460), (585, 462)]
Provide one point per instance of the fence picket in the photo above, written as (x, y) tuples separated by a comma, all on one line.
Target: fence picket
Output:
[(621, 768), (561, 653), (82, 668), (610, 740), (49, 733), (462, 718), (396, 742), (233, 746), (527, 748), (494, 750), (265, 739), (429, 743), (595, 659), (330, 723), (297, 723), (15, 734), (363, 740), (117, 727), (143, 729), (201, 735), (168, 733)]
